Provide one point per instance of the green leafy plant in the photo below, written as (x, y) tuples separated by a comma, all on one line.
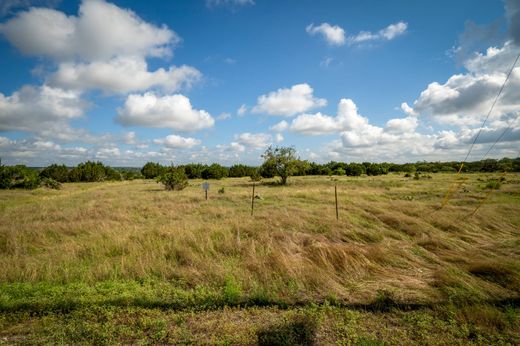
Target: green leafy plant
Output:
[(174, 179)]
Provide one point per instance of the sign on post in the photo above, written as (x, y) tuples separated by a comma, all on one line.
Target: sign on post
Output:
[(205, 187)]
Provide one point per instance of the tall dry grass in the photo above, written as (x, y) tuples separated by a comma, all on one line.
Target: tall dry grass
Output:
[(389, 237)]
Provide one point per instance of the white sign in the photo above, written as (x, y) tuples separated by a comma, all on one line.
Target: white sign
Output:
[(205, 186)]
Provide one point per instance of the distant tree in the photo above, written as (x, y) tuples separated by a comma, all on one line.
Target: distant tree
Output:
[(174, 179), (152, 170), (215, 171), (355, 169), (112, 174), (59, 173), (339, 171), (241, 171), (194, 170), (282, 161)]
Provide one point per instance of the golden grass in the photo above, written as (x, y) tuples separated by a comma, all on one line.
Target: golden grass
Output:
[(389, 237)]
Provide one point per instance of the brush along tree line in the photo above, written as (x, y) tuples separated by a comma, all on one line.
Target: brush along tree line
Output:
[(278, 162)]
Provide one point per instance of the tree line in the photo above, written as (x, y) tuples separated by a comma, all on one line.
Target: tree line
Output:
[(281, 162)]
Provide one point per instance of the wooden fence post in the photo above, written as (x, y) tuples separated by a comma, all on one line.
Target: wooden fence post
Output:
[(253, 200), (336, 197)]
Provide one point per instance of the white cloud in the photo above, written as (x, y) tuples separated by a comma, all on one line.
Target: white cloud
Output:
[(398, 126), (223, 116), (280, 127), (334, 35), (241, 111), (174, 111), (36, 108), (122, 75), (177, 142), (104, 47), (408, 110), (389, 33), (465, 99), (279, 138), (287, 102), (254, 140), (100, 31), (347, 118)]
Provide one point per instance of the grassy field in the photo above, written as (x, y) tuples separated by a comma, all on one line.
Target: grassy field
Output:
[(130, 262)]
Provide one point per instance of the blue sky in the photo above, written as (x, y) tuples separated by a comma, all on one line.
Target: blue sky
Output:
[(126, 82)]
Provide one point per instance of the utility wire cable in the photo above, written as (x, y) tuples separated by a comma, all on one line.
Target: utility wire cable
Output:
[(456, 184)]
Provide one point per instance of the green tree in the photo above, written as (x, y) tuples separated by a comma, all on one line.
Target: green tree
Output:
[(282, 161), (215, 171), (152, 170), (174, 179), (59, 173)]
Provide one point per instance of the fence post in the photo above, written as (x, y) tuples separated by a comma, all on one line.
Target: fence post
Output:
[(253, 200), (336, 197)]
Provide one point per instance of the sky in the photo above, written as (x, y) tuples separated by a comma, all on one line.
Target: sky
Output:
[(127, 82)]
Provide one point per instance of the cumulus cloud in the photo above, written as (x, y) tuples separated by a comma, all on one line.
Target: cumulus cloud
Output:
[(280, 127), (254, 140), (177, 142), (100, 31), (404, 125), (104, 47), (333, 34), (407, 109), (36, 108), (288, 102), (319, 124), (122, 75), (389, 33), (171, 111), (465, 99)]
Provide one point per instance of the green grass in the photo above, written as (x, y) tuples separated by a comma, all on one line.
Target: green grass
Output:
[(132, 246)]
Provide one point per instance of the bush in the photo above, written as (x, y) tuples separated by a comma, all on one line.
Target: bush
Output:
[(493, 184), (174, 179), (256, 176), (215, 171), (51, 183), (18, 176), (112, 174), (59, 173), (152, 170)]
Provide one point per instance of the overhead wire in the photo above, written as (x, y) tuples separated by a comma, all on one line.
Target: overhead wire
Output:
[(457, 182)]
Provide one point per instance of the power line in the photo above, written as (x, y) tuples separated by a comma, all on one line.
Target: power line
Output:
[(492, 106), (453, 186)]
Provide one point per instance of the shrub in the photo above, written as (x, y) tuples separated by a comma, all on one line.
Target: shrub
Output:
[(18, 176), (256, 176), (174, 179), (152, 170), (112, 174), (59, 173), (215, 171), (493, 184), (51, 183)]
